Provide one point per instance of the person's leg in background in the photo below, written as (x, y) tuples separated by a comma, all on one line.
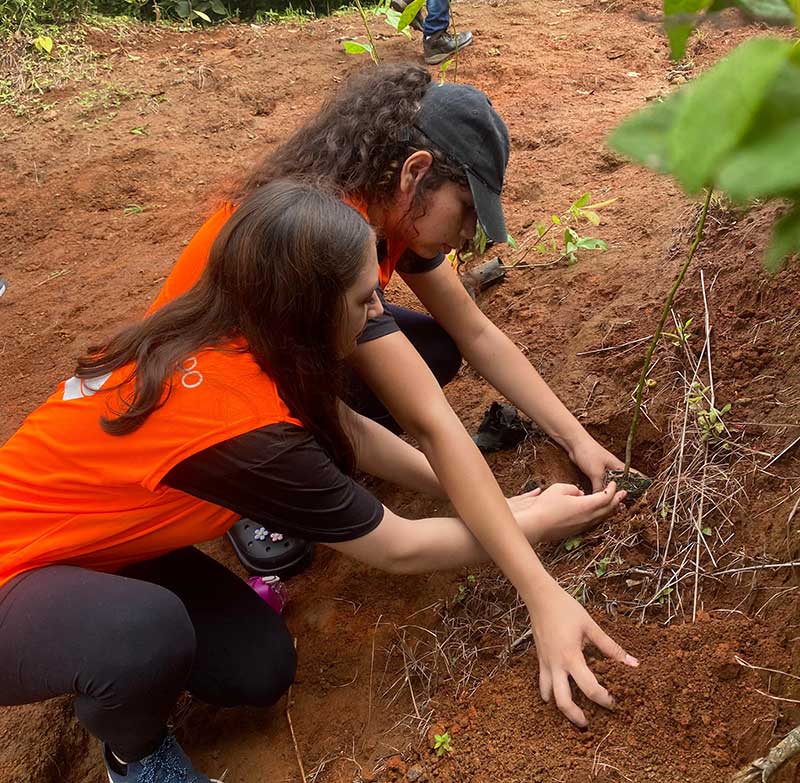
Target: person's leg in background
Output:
[(438, 44)]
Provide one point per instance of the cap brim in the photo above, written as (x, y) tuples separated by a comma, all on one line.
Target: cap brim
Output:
[(489, 209)]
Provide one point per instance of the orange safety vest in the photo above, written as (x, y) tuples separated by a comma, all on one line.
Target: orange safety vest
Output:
[(194, 257), (72, 494)]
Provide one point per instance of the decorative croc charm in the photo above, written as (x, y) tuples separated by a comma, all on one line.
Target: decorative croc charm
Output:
[(265, 553)]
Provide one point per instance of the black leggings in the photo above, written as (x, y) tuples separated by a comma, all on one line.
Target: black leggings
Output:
[(127, 646), (433, 344)]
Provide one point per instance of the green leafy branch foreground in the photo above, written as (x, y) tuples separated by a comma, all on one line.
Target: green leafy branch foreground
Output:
[(736, 129)]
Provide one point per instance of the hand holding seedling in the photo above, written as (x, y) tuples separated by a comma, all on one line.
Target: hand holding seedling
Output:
[(594, 461), (561, 627), (562, 510)]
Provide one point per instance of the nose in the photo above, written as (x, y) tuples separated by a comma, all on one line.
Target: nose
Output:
[(375, 308)]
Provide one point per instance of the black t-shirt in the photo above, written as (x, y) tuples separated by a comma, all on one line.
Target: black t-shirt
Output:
[(409, 263), (280, 477)]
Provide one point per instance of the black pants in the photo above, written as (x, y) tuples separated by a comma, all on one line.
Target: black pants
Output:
[(128, 645), (433, 344)]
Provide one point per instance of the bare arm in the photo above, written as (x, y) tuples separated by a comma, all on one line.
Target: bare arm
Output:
[(501, 363), (401, 379), (381, 453)]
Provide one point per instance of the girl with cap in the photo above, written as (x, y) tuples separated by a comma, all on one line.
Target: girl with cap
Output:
[(238, 380), (425, 162)]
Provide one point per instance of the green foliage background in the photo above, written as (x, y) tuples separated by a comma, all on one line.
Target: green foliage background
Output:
[(28, 15)]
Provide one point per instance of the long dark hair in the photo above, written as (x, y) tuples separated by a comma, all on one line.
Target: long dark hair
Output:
[(359, 140), (276, 278)]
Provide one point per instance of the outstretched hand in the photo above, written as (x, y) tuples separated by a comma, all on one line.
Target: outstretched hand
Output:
[(594, 461), (561, 627), (562, 510)]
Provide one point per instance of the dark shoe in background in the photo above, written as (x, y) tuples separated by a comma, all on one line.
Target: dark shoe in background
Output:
[(502, 428), (439, 46)]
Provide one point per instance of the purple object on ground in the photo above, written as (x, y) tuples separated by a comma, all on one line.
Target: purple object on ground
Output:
[(271, 590)]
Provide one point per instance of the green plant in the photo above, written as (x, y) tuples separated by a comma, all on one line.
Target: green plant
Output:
[(465, 587), (573, 543), (442, 743), (43, 44), (140, 130), (191, 10), (709, 417), (358, 47), (567, 246), (734, 128), (682, 335), (663, 595), (602, 567)]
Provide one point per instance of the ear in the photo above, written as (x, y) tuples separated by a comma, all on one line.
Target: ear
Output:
[(416, 166)]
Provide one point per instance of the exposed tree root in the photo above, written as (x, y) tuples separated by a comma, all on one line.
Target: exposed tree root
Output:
[(762, 769)]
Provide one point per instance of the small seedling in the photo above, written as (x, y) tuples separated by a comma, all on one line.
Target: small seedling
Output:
[(601, 568), (442, 743), (358, 47), (140, 130), (580, 210), (443, 70), (709, 418), (663, 595), (134, 209), (465, 587), (573, 543), (43, 44), (682, 335)]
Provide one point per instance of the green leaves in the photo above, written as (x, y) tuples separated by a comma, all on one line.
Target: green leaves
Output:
[(409, 14), (682, 16), (720, 107), (772, 11), (356, 47), (644, 136), (768, 166), (43, 44), (785, 240), (736, 128), (573, 543)]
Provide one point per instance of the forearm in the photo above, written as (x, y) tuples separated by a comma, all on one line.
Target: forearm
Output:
[(503, 365), (384, 455), (480, 504), (409, 390)]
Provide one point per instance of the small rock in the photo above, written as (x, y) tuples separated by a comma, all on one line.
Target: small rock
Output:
[(415, 773)]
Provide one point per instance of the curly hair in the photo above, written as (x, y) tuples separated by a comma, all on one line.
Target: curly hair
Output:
[(359, 140)]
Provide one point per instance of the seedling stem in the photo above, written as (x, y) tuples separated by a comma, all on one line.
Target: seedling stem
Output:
[(637, 409)]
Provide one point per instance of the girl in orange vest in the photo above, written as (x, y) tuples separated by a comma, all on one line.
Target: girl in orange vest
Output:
[(425, 163), (226, 402)]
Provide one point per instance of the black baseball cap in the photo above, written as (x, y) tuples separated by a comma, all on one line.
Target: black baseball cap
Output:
[(461, 121)]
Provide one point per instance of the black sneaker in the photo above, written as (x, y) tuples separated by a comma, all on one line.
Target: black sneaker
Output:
[(169, 764), (440, 46), (400, 6)]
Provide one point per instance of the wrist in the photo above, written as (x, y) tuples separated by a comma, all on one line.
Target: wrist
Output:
[(538, 589), (574, 439)]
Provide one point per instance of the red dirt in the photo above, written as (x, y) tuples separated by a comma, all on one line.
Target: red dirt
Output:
[(561, 74)]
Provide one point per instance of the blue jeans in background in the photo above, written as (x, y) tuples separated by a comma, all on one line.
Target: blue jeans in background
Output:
[(438, 17)]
